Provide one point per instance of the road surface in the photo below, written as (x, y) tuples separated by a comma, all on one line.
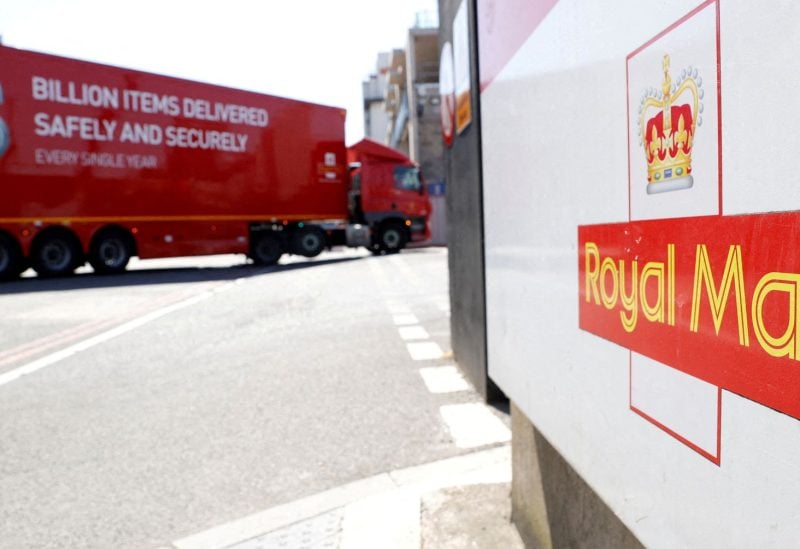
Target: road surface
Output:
[(142, 408)]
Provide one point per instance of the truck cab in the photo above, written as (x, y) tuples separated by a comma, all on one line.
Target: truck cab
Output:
[(388, 194)]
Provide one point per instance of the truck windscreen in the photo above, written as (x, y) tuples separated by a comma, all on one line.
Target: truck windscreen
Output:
[(407, 178)]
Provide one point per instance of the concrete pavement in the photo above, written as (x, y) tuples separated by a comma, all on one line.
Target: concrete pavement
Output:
[(452, 503)]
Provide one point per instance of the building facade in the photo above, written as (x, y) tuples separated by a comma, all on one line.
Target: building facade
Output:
[(402, 110)]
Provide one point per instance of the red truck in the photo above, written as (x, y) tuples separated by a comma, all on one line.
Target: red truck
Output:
[(101, 163)]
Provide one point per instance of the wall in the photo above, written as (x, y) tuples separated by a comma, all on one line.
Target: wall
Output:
[(678, 408), (552, 505), (428, 141), (465, 229), (424, 128)]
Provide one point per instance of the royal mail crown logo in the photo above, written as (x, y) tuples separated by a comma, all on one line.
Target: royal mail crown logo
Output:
[(668, 120)]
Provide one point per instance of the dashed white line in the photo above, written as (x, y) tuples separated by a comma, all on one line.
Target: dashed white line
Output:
[(444, 379), (405, 319), (402, 267), (413, 332), (397, 308), (443, 304), (380, 277), (426, 350), (472, 425)]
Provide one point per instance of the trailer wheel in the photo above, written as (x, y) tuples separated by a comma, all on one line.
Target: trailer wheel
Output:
[(391, 238), (11, 259), (110, 252), (308, 241), (266, 249), (56, 252)]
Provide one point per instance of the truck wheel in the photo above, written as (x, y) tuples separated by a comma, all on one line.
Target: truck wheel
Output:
[(11, 260), (55, 253), (110, 252), (266, 249), (391, 238), (308, 241)]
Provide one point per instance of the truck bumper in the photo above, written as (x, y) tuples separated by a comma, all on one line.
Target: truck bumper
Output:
[(419, 229)]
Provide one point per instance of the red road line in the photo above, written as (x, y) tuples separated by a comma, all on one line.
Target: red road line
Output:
[(70, 335)]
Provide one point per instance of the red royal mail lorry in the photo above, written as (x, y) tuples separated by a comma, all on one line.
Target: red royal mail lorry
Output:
[(100, 163)]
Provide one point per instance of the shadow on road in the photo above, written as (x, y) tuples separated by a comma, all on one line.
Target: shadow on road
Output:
[(143, 277)]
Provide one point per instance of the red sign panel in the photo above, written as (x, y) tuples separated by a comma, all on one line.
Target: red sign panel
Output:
[(715, 297)]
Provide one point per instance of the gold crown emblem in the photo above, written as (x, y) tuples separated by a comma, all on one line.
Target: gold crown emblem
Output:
[(668, 119)]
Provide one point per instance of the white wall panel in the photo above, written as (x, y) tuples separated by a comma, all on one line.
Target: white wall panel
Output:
[(555, 154)]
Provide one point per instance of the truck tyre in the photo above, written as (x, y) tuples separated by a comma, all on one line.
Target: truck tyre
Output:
[(110, 252), (391, 238), (266, 249), (11, 259), (308, 241), (56, 252)]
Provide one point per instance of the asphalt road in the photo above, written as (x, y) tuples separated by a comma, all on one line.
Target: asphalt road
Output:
[(141, 408)]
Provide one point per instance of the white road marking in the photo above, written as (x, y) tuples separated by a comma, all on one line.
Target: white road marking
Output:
[(397, 308), (413, 332), (472, 425), (442, 303), (427, 350), (37, 347), (377, 272), (224, 288), (444, 379), (389, 520), (481, 467), (403, 267), (58, 356), (405, 319)]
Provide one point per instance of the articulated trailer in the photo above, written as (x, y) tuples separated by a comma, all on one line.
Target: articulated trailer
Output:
[(99, 164)]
